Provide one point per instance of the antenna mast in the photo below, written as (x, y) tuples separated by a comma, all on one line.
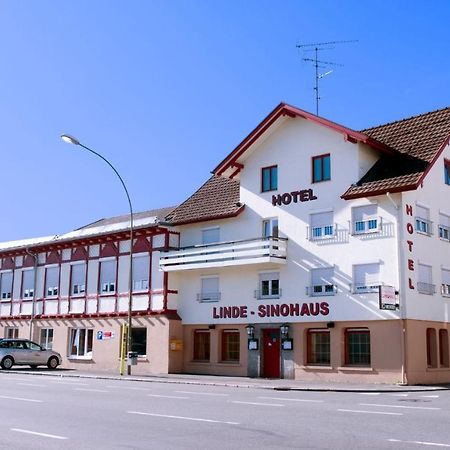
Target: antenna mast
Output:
[(317, 47)]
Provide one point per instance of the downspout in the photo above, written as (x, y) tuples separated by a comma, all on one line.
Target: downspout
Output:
[(35, 257), (402, 284)]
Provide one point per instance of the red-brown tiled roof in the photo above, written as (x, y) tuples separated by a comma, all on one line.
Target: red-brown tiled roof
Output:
[(218, 198)]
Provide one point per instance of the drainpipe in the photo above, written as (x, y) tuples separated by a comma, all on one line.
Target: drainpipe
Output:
[(402, 284), (35, 257)]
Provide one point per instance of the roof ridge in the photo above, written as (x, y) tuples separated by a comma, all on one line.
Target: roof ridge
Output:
[(405, 119)]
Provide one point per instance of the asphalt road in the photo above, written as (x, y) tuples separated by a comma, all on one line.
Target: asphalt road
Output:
[(40, 412)]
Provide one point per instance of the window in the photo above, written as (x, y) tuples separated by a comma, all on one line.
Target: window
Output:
[(365, 219), (425, 283), (209, 290), (108, 276), (270, 228), (139, 341), (366, 277), (81, 342), (443, 348), (46, 338), (447, 171), (201, 345), (141, 271), (78, 279), (322, 281), (211, 235), (321, 168), (357, 347), (11, 333), (269, 178), (28, 284), (318, 342), (6, 280), (423, 223), (445, 286), (444, 227), (321, 226), (230, 346), (431, 348), (51, 281), (269, 285)]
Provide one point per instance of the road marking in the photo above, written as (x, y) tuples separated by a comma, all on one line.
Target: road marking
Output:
[(30, 384), (70, 384), (196, 419), (370, 412), (400, 395), (430, 396), (202, 393), (292, 399), (399, 406), (167, 396), (256, 403), (35, 433), (129, 388), (368, 393), (420, 443), (21, 399), (90, 390)]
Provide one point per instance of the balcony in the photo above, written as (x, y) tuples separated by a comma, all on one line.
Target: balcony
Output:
[(224, 254), (208, 297), (426, 288)]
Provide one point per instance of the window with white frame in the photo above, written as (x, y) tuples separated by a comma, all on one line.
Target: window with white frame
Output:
[(322, 282), (108, 270), (270, 227), (6, 283), (141, 272), (366, 277), (28, 284), (365, 219), (321, 225), (51, 281), (445, 286), (209, 289), (78, 279), (11, 332), (80, 344), (425, 282), (46, 338), (210, 235), (444, 227), (269, 285), (423, 223)]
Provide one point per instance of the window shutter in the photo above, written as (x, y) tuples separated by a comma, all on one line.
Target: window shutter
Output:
[(321, 219), (367, 274), (78, 274), (107, 272), (361, 213), (211, 235), (445, 276), (210, 285), (444, 220), (423, 213), (322, 276), (425, 274), (269, 276)]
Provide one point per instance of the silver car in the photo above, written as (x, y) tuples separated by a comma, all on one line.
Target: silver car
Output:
[(26, 353)]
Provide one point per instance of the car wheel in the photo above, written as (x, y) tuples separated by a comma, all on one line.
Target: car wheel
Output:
[(7, 363), (53, 362)]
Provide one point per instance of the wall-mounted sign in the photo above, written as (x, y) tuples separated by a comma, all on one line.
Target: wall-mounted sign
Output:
[(388, 299), (287, 344), (253, 344), (305, 195), (105, 335), (176, 345)]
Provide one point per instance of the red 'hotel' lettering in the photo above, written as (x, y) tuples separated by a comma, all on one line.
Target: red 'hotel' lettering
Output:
[(410, 230), (305, 195)]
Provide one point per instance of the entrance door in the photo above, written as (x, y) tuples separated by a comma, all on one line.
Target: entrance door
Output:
[(271, 353)]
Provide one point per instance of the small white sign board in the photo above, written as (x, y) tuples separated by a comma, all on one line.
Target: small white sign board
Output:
[(388, 299)]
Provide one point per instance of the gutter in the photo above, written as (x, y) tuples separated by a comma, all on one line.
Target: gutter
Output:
[(35, 257)]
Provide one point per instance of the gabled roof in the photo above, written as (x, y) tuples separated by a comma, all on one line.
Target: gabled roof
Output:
[(231, 165), (418, 141)]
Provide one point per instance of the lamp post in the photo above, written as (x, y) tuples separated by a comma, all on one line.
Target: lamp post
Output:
[(71, 140)]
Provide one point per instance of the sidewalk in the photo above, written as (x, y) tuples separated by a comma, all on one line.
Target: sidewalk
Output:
[(237, 382)]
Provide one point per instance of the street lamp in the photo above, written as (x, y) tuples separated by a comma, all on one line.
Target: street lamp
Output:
[(72, 140)]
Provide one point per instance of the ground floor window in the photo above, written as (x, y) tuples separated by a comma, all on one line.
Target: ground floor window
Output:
[(443, 348), (431, 348), (230, 345), (46, 338), (11, 333), (201, 345), (139, 341), (81, 342), (357, 347), (318, 342)]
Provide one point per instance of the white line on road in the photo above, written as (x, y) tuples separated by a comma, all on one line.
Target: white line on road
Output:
[(90, 390), (35, 433), (128, 388), (167, 396), (202, 393), (196, 419), (30, 384), (70, 384), (420, 443), (256, 403), (430, 396), (291, 399), (399, 406), (370, 412), (400, 395), (32, 400), (368, 393)]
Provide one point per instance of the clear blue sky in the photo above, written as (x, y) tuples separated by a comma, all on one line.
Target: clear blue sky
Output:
[(165, 89)]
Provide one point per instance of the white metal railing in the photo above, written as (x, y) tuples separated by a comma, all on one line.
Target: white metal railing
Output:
[(360, 288), (320, 290), (261, 294), (324, 232), (426, 288), (371, 225), (249, 251), (208, 297)]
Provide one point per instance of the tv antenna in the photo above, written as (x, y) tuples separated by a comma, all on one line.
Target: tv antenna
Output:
[(319, 64)]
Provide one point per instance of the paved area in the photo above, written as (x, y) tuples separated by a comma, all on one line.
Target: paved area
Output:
[(241, 382)]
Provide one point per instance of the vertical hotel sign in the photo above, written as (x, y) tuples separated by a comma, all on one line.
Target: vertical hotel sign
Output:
[(410, 242)]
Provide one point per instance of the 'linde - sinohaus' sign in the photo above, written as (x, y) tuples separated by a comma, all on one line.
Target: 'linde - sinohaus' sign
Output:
[(271, 310), (304, 195)]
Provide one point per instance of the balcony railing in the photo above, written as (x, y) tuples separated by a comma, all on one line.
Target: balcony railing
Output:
[(360, 288), (426, 288), (264, 294), (319, 290), (208, 297), (231, 253), (372, 225)]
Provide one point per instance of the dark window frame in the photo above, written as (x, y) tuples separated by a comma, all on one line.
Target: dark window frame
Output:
[(227, 352), (310, 359), (447, 171), (348, 359), (201, 354), (320, 177), (272, 187)]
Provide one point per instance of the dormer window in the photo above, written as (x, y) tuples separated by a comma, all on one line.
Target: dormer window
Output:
[(269, 178), (321, 168)]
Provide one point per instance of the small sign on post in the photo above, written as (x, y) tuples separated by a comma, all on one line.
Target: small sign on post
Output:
[(388, 298)]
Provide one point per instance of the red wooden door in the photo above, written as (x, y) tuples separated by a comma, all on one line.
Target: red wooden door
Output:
[(271, 353)]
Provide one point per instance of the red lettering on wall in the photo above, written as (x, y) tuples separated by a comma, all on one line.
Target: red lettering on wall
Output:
[(410, 245), (410, 264), (409, 210), (305, 310), (411, 286), (324, 308), (409, 228)]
